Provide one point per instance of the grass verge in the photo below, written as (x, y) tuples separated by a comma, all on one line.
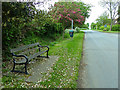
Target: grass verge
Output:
[(108, 31), (64, 73)]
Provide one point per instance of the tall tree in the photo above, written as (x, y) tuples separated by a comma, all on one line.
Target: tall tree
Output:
[(65, 12), (93, 25), (14, 17), (103, 19), (118, 20), (112, 6)]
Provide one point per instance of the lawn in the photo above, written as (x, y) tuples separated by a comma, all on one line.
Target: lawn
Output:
[(64, 73)]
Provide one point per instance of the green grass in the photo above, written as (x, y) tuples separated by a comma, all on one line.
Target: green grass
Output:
[(108, 31), (64, 72)]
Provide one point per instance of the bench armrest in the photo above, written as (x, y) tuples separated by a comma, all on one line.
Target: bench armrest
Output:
[(44, 46), (20, 56)]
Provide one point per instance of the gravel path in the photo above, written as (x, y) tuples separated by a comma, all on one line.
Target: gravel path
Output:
[(39, 68)]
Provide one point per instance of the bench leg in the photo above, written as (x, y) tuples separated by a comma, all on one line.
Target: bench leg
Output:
[(26, 69), (47, 54), (13, 68)]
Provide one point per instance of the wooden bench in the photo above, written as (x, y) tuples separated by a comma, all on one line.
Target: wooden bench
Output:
[(24, 54)]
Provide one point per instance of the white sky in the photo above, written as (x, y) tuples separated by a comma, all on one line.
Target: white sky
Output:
[(96, 11)]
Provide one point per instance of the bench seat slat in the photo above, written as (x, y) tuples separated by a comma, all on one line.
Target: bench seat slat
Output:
[(30, 57), (35, 55), (27, 51), (23, 47), (20, 61)]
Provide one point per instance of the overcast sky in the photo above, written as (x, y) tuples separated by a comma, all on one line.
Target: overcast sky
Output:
[(96, 11)]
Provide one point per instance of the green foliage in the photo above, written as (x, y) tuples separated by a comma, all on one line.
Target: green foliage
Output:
[(102, 28), (77, 29), (116, 27), (52, 29), (66, 35), (65, 12), (20, 23), (102, 20), (15, 17), (93, 25), (108, 27), (84, 26)]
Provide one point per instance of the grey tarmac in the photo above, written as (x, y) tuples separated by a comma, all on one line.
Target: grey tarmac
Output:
[(100, 54)]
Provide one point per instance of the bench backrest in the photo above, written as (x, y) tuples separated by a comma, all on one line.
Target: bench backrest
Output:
[(23, 47)]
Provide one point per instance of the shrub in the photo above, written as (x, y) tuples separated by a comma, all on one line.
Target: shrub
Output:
[(108, 27), (102, 28), (77, 29), (85, 26), (52, 29), (66, 35), (83, 29), (116, 27)]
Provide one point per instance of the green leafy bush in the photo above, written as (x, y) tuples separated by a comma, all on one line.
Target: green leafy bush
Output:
[(66, 35), (108, 27), (83, 28), (77, 29), (20, 25), (116, 27), (102, 28)]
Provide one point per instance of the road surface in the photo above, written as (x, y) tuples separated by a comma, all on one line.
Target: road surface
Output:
[(101, 56)]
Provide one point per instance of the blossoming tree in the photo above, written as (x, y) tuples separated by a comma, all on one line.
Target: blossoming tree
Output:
[(65, 12)]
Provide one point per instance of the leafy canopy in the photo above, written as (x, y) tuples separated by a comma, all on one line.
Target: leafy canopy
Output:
[(65, 12)]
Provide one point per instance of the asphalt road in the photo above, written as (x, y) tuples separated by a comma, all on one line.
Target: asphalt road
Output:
[(101, 56)]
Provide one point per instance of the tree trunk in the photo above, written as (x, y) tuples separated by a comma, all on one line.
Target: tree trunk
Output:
[(111, 17), (111, 26)]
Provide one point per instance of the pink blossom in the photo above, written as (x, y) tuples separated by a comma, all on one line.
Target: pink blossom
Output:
[(65, 16), (64, 11), (74, 12), (70, 19), (58, 12), (55, 5), (61, 15), (62, 6), (78, 9), (82, 17), (68, 14), (78, 20), (75, 5)]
